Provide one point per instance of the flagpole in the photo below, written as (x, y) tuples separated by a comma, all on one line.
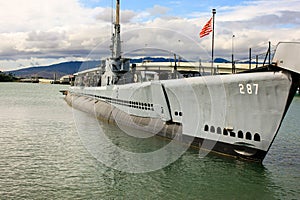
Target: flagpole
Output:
[(213, 42)]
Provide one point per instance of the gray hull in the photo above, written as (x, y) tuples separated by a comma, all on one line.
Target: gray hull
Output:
[(236, 115)]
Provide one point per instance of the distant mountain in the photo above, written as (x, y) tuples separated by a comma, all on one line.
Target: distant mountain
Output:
[(221, 60), (57, 70), (67, 68), (160, 59)]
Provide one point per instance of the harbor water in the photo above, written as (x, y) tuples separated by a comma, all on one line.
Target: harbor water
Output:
[(44, 156)]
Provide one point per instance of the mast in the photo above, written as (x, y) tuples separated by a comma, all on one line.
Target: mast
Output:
[(116, 38), (118, 12)]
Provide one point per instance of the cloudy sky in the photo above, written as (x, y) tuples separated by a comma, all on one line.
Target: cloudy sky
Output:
[(35, 32)]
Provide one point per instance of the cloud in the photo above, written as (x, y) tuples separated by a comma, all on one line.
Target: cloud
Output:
[(44, 36), (158, 10), (50, 30), (20, 16), (42, 40), (106, 15), (280, 19)]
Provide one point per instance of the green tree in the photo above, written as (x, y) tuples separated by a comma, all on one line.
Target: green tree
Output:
[(4, 77)]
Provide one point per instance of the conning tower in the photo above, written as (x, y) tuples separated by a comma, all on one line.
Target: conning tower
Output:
[(118, 64)]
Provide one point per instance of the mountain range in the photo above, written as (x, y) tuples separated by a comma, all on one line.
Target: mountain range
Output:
[(56, 70), (67, 68)]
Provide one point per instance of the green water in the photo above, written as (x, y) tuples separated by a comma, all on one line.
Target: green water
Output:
[(42, 156)]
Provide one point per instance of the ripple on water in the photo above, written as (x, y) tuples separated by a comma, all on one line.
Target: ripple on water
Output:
[(42, 156)]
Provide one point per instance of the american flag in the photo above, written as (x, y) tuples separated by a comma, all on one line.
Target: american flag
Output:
[(206, 29)]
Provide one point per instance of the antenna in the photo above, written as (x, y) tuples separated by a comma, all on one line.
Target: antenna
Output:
[(112, 16), (116, 38), (118, 12), (112, 28)]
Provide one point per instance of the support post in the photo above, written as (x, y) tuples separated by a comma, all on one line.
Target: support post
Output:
[(269, 53), (256, 61), (250, 59), (232, 56), (213, 42)]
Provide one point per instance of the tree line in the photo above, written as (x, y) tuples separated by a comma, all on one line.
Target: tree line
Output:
[(7, 77)]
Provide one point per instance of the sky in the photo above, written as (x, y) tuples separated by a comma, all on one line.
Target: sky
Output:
[(39, 33)]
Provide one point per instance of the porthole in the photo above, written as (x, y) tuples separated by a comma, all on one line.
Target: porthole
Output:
[(206, 128), (212, 129), (225, 132), (180, 114), (176, 113), (248, 136), (240, 134), (219, 130), (232, 134), (257, 137)]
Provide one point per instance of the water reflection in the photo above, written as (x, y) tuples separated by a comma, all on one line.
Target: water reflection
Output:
[(42, 156), (206, 178)]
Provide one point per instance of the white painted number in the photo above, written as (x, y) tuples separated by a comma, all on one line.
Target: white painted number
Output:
[(248, 88), (242, 88), (256, 88)]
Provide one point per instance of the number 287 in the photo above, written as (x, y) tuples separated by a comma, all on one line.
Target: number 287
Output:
[(248, 88)]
